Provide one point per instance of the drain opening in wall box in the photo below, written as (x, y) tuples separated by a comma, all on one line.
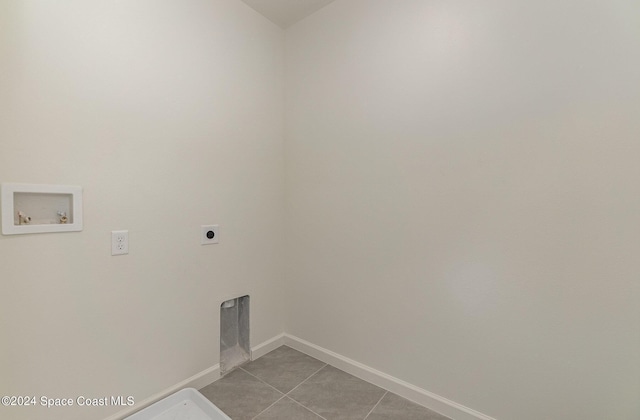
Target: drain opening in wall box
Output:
[(234, 333)]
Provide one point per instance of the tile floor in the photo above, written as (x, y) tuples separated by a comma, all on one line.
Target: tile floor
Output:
[(287, 384)]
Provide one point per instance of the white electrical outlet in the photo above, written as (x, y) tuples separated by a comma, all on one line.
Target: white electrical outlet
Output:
[(209, 234), (119, 242)]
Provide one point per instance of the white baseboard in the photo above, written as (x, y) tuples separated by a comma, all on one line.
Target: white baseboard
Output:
[(267, 346), (406, 390)]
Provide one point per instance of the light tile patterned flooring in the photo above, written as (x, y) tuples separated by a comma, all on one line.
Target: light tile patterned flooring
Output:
[(288, 385)]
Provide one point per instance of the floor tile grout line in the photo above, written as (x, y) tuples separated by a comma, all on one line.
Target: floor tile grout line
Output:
[(305, 407), (287, 394), (296, 387), (309, 377), (269, 385), (274, 403), (377, 404)]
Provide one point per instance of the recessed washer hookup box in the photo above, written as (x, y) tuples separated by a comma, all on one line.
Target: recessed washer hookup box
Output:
[(187, 404)]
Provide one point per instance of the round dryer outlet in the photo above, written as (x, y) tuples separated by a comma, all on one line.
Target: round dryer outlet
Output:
[(209, 234)]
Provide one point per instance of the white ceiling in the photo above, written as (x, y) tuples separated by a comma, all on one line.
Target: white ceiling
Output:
[(286, 12)]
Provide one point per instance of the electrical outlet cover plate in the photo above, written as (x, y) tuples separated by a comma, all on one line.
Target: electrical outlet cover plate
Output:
[(209, 234), (119, 242)]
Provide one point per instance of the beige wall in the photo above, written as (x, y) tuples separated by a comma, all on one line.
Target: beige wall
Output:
[(463, 199), (169, 114)]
